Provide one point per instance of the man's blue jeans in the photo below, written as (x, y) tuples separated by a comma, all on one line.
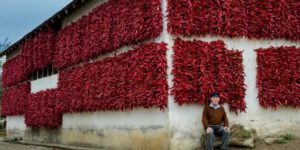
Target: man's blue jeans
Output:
[(218, 130)]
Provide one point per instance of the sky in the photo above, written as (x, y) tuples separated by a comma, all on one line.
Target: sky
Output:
[(18, 17)]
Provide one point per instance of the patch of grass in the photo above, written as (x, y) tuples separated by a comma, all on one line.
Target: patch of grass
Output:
[(243, 134), (287, 136), (281, 141)]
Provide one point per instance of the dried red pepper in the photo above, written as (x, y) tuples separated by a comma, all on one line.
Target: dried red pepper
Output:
[(15, 70), (136, 78), (15, 98), (41, 110), (278, 75), (36, 53), (133, 79), (201, 68), (109, 26), (269, 19), (39, 49)]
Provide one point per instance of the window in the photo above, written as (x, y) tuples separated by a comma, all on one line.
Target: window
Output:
[(44, 72)]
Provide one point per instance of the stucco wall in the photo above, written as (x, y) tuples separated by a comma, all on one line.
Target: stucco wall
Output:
[(15, 126), (185, 121), (137, 129), (49, 82), (175, 128)]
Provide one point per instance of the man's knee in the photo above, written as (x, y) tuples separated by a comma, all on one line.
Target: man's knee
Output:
[(226, 132), (210, 134)]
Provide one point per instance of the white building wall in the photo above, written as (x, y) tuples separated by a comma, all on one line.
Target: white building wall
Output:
[(177, 127), (15, 122), (136, 129), (15, 126), (49, 82), (185, 121)]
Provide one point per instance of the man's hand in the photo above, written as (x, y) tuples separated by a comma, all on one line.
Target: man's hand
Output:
[(227, 129), (209, 130)]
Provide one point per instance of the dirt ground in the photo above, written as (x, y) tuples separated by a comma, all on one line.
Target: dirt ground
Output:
[(293, 144), (10, 146)]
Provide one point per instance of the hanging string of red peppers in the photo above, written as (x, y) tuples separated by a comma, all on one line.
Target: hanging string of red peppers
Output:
[(138, 78), (278, 76), (39, 49), (201, 68), (15, 70), (15, 99), (251, 18), (41, 110), (36, 53), (133, 79), (111, 25)]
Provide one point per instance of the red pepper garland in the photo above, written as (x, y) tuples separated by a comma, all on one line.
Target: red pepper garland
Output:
[(109, 26), (15, 70), (231, 75), (201, 68), (14, 99), (269, 19), (136, 78), (235, 26), (71, 89), (69, 45), (36, 53), (185, 89), (278, 75), (133, 79), (39, 49), (41, 110), (98, 30)]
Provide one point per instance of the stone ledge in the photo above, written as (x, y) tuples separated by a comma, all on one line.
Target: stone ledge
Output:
[(239, 137)]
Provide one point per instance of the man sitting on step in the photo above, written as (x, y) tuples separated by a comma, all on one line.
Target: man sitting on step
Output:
[(215, 122)]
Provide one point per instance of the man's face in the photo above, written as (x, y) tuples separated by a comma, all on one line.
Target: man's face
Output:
[(215, 99)]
